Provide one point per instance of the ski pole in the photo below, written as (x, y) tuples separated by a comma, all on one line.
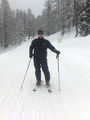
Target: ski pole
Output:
[(58, 72), (25, 74)]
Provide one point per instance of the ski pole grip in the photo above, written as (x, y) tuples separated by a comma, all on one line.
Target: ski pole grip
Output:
[(57, 56)]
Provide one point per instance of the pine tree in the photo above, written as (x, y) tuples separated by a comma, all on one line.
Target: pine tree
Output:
[(48, 12), (30, 23), (85, 19), (1, 27), (87, 11), (20, 26), (83, 24), (7, 17)]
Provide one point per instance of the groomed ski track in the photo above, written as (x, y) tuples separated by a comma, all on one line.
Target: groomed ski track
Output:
[(71, 103)]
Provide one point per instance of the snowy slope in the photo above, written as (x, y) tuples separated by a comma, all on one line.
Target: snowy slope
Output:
[(72, 103)]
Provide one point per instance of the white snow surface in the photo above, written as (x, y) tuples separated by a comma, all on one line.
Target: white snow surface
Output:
[(71, 103)]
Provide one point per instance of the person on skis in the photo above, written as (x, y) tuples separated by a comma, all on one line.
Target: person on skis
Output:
[(38, 50)]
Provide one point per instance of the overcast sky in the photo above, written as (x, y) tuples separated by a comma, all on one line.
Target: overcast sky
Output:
[(35, 5)]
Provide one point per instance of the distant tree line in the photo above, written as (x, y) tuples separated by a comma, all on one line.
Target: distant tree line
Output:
[(15, 25), (62, 15)]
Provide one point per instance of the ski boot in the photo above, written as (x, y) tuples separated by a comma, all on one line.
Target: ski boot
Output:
[(38, 83), (47, 83)]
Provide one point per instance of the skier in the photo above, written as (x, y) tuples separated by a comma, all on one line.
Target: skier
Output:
[(38, 50)]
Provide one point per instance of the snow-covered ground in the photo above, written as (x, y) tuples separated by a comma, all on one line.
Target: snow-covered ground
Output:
[(71, 103)]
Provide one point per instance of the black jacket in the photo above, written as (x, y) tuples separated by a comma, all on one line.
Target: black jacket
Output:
[(39, 47)]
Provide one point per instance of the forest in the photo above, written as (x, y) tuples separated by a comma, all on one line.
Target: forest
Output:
[(57, 15)]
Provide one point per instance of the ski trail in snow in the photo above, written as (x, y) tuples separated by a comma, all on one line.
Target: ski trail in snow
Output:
[(71, 103)]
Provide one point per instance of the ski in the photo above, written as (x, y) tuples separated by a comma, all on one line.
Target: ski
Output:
[(49, 89), (36, 88), (47, 86)]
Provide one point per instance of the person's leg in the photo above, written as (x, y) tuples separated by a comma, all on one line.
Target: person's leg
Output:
[(45, 70), (37, 71)]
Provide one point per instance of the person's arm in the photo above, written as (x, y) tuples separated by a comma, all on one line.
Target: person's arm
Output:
[(31, 50), (52, 48)]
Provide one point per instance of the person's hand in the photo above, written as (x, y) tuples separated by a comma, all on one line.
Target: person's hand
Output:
[(31, 55), (58, 52)]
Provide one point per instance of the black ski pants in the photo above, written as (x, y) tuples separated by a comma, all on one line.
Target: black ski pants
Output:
[(41, 63)]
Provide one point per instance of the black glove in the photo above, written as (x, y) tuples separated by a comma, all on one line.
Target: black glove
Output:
[(58, 52), (31, 55)]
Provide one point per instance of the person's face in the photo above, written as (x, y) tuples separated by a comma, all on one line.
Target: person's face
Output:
[(40, 35)]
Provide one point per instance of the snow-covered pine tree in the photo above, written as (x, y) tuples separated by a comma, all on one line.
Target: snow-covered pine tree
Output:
[(85, 18), (83, 24), (58, 15), (30, 23), (39, 22), (20, 26), (87, 11), (48, 17), (1, 28), (6, 15)]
